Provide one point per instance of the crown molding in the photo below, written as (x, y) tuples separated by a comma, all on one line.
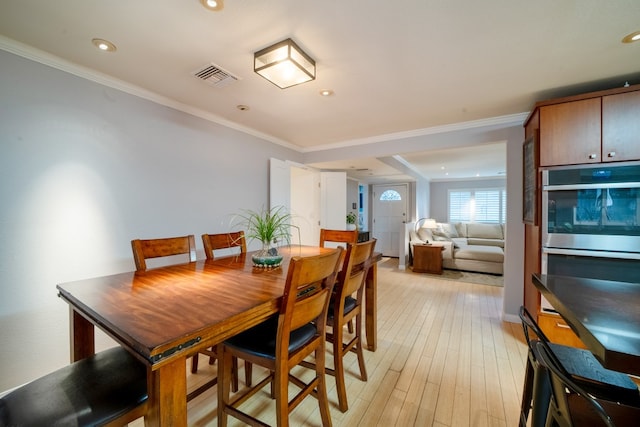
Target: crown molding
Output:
[(90, 74)]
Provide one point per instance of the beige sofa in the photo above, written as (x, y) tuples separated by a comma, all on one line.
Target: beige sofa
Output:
[(467, 246)]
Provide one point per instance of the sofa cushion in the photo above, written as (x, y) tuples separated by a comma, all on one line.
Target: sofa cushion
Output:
[(485, 231), (485, 242), (480, 253), (446, 230)]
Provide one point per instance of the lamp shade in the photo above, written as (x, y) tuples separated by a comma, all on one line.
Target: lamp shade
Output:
[(284, 64)]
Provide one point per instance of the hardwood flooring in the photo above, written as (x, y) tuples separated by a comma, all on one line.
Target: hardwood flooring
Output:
[(444, 358)]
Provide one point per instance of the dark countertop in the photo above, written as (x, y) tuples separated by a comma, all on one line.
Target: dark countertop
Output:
[(604, 314)]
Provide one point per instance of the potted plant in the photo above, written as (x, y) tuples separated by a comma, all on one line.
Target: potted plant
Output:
[(272, 227), (352, 219)]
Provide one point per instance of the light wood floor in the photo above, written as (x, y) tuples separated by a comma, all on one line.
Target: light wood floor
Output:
[(444, 358)]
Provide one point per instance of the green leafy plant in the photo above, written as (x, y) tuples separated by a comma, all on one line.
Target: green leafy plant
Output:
[(269, 226), (352, 218)]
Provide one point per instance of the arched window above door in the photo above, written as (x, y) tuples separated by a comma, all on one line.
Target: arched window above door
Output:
[(390, 195)]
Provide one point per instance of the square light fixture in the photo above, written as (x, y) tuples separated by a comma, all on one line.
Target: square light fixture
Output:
[(284, 64)]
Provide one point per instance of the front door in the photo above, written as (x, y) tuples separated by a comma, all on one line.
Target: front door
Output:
[(390, 208)]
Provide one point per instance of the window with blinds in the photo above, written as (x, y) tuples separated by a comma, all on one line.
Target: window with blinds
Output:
[(481, 205)]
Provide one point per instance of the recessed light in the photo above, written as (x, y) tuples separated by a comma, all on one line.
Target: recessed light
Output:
[(104, 45), (630, 38), (215, 5), (326, 92), (242, 107)]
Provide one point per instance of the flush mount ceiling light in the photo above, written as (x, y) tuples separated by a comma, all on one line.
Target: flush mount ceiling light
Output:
[(630, 38), (104, 45), (284, 64), (214, 5)]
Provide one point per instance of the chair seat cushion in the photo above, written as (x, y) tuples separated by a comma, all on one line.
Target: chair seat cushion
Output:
[(349, 304), (261, 339), (591, 375), (91, 391)]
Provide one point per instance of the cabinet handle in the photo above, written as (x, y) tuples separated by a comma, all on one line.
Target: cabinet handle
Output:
[(562, 326), (611, 154), (592, 156)]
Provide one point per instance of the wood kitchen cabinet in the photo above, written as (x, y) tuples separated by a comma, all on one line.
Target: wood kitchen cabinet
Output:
[(593, 128), (621, 126)]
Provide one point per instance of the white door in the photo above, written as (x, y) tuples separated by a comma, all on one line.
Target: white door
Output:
[(390, 206), (305, 205)]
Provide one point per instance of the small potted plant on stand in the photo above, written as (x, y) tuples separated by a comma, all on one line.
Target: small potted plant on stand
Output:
[(352, 220), (272, 228)]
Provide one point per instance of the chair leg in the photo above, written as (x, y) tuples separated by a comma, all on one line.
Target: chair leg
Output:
[(194, 363), (527, 393), (358, 348), (248, 373), (224, 383), (281, 390), (338, 367), (323, 399)]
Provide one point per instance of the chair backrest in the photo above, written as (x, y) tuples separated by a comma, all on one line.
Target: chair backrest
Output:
[(156, 248), (306, 295), (214, 242), (570, 404), (338, 236), (531, 329), (354, 270)]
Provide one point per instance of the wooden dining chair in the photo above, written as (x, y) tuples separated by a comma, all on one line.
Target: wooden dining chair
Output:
[(338, 236), (583, 368), (164, 247), (213, 242), (106, 389), (347, 304), (284, 340), (571, 405)]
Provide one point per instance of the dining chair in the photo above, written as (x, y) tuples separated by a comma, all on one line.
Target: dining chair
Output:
[(211, 243), (106, 389), (164, 247), (347, 304), (144, 249), (571, 405), (581, 365), (337, 236), (334, 238), (283, 341)]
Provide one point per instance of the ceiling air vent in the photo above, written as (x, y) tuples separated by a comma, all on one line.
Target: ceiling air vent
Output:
[(215, 76)]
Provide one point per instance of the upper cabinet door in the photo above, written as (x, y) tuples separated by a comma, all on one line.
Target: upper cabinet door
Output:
[(621, 127), (570, 133)]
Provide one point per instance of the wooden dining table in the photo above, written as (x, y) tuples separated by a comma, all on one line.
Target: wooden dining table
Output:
[(603, 313), (164, 315)]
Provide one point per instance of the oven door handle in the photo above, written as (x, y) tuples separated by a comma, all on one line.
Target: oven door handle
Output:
[(597, 186), (578, 252)]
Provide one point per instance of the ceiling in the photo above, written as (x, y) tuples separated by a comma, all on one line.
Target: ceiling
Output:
[(394, 66)]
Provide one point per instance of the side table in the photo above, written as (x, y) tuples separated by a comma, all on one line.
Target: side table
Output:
[(427, 258)]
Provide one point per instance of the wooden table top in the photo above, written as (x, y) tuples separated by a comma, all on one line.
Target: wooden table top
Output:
[(604, 314), (176, 310)]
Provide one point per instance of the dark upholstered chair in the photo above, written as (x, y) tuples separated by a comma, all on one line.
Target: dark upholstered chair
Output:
[(107, 389), (283, 341), (580, 365), (165, 247), (212, 243), (347, 304), (571, 405)]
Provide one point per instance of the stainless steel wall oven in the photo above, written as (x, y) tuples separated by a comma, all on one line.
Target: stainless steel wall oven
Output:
[(591, 222)]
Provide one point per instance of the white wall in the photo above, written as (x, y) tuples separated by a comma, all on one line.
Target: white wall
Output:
[(83, 170)]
